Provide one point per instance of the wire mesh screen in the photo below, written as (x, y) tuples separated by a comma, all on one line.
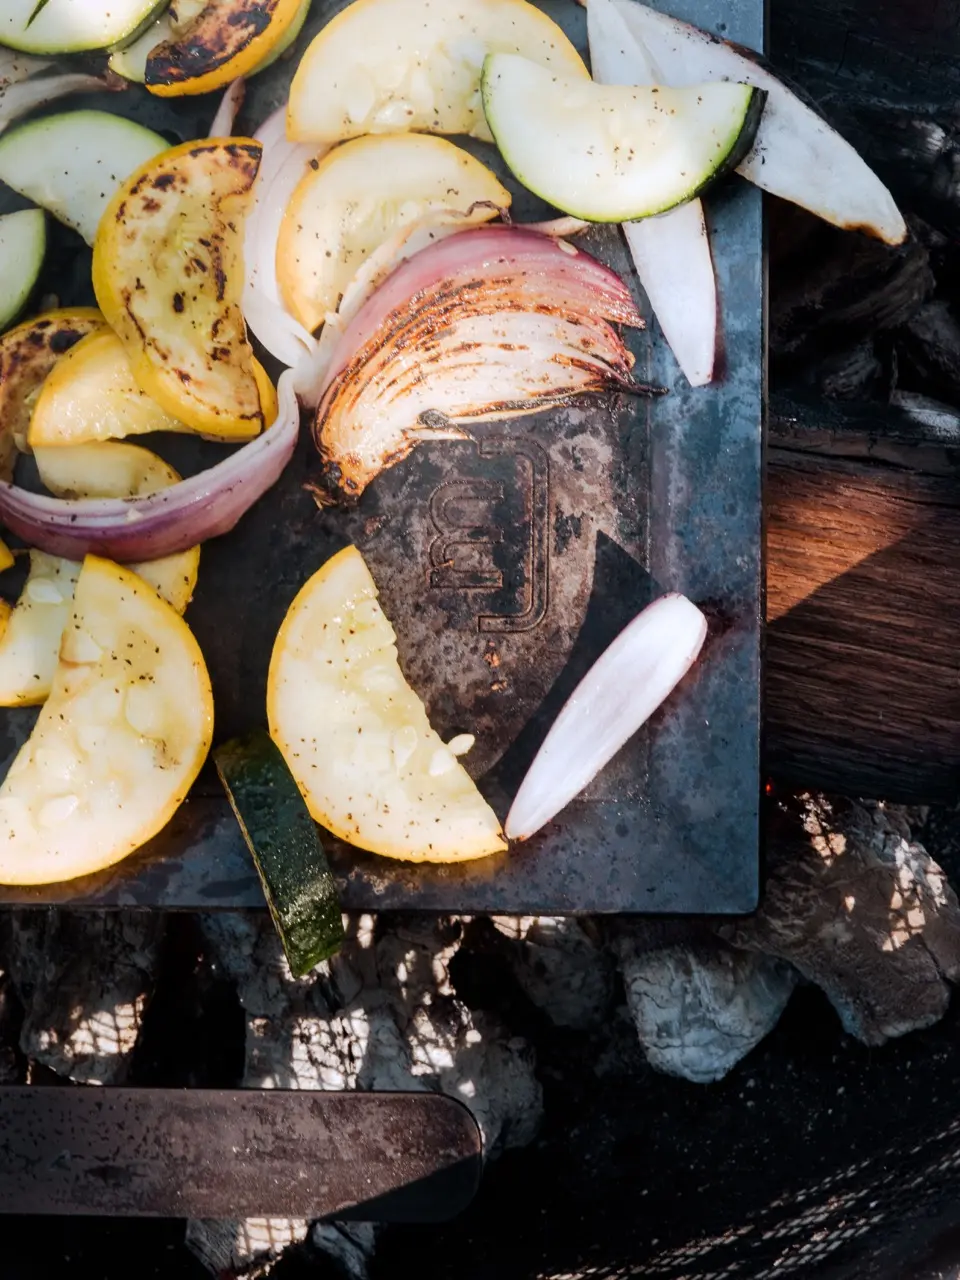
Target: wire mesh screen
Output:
[(871, 1218)]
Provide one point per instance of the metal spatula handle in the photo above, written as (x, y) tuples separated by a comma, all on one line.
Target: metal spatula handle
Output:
[(215, 1153)]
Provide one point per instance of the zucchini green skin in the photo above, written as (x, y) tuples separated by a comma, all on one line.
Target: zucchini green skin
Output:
[(285, 845), (737, 151), (66, 35), (20, 261)]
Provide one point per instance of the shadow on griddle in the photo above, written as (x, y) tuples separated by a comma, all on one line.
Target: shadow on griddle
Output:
[(621, 588)]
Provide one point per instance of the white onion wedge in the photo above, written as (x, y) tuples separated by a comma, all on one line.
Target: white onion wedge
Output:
[(796, 155), (230, 104), (19, 96), (280, 170), (672, 252), (621, 690), (16, 66)]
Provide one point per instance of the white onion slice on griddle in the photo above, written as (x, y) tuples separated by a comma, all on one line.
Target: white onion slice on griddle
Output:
[(618, 694), (672, 252), (230, 104), (796, 155)]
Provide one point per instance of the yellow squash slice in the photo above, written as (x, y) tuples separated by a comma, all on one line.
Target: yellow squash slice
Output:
[(31, 641), (27, 355), (126, 728), (382, 66), (227, 39), (358, 196), (6, 556), (355, 735), (168, 275), (92, 394)]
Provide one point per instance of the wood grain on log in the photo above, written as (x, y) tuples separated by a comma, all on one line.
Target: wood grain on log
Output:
[(863, 601)]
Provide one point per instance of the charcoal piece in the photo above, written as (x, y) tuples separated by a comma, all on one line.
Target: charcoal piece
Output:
[(699, 1010), (929, 351), (84, 979), (562, 967), (860, 909), (829, 289)]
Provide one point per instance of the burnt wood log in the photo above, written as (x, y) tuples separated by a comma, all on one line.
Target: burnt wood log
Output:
[(862, 678)]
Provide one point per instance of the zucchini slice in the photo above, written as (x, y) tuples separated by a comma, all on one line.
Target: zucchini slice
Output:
[(389, 66), (72, 26), (608, 153), (72, 163), (23, 243), (285, 845)]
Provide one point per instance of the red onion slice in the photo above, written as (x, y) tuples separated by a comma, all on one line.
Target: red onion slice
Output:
[(492, 322), (230, 104), (164, 523), (551, 271), (620, 691), (436, 223)]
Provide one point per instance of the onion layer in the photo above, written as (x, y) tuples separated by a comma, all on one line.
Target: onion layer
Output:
[(489, 323), (164, 523), (230, 104), (621, 690), (19, 96), (281, 168)]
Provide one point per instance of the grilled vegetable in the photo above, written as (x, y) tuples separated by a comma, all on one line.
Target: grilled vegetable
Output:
[(91, 394), (491, 322), (283, 165), (229, 38), (121, 738), (671, 253), (131, 62), (123, 471), (71, 164), (29, 648), (168, 275), (31, 640), (355, 735), (609, 153), (27, 354), (161, 524), (795, 155), (72, 26), (23, 243), (618, 694), (356, 197), (20, 96), (6, 561), (285, 846), (387, 65)]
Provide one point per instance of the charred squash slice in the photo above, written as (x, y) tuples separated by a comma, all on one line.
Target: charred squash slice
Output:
[(27, 354), (229, 38), (168, 275)]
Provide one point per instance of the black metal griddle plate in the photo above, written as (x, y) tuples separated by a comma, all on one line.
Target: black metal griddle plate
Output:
[(217, 1153), (506, 564)]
